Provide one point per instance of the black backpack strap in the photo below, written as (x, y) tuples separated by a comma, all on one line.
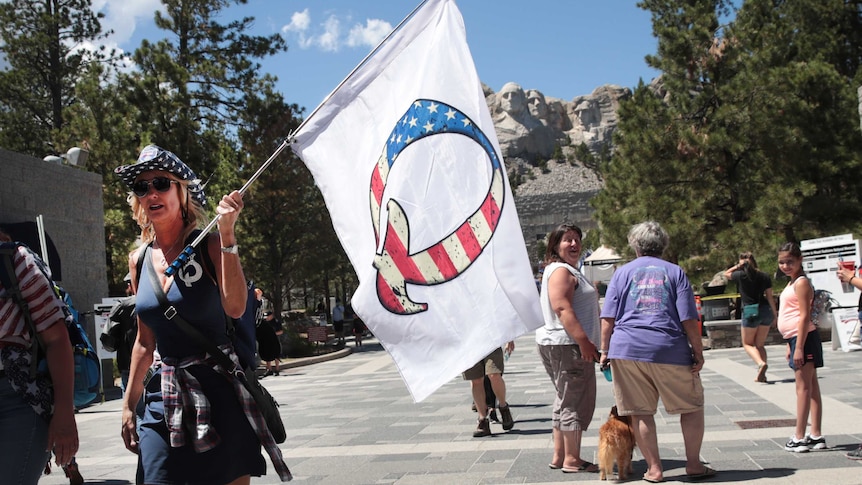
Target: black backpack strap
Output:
[(139, 265), (8, 278), (10, 283), (202, 249)]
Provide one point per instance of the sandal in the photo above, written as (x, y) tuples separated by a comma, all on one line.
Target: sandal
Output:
[(761, 372), (707, 473), (583, 467)]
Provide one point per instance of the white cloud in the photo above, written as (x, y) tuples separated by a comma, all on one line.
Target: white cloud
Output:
[(123, 16), (370, 35), (328, 41), (327, 36), (123, 65), (299, 22)]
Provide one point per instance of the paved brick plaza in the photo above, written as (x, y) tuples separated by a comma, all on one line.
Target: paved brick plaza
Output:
[(352, 421)]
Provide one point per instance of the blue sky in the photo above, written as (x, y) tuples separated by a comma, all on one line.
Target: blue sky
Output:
[(563, 48)]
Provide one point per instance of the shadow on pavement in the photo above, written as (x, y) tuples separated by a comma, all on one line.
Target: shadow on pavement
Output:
[(370, 347), (528, 432), (674, 470), (736, 476), (106, 482), (529, 405)]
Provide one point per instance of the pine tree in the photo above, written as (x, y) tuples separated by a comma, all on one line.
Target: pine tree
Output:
[(191, 87), (275, 213), (748, 137), (43, 43)]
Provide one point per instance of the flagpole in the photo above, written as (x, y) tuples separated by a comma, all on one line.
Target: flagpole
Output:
[(361, 63), (186, 254)]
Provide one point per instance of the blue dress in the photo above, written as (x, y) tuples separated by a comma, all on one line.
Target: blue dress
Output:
[(196, 297)]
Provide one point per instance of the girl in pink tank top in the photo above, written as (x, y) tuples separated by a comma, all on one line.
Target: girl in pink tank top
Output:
[(804, 349), (790, 315)]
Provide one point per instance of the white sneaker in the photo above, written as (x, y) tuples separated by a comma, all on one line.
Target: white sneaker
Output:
[(797, 446), (816, 444)]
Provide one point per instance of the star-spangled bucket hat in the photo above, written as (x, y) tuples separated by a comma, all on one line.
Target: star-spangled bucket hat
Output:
[(153, 157)]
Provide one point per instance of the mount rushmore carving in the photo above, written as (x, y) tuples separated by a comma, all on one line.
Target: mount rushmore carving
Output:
[(530, 126)]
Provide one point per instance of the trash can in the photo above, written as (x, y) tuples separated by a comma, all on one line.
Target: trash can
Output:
[(717, 309)]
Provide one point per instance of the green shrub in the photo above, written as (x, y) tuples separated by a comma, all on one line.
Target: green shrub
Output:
[(295, 345)]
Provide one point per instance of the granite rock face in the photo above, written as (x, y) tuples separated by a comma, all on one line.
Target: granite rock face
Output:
[(530, 126), (558, 177)]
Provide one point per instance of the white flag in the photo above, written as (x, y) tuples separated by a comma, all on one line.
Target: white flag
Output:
[(407, 159)]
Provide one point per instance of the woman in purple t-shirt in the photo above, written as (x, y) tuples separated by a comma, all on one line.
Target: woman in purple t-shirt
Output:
[(651, 336)]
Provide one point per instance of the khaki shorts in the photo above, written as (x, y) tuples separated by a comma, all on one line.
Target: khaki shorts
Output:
[(575, 385), (638, 386), (491, 364)]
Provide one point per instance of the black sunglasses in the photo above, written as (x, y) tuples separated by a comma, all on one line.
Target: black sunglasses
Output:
[(142, 187)]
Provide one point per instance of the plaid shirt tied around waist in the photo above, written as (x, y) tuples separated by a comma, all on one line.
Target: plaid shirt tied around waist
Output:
[(187, 409)]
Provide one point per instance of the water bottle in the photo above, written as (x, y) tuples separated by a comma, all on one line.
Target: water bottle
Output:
[(606, 370)]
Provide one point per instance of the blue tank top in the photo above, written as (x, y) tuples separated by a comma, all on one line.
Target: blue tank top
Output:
[(196, 297)]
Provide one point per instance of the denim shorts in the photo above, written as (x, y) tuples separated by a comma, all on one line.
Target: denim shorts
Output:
[(23, 438), (764, 317)]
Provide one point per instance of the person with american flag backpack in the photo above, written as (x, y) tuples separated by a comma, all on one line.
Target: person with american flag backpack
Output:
[(39, 412), (87, 382)]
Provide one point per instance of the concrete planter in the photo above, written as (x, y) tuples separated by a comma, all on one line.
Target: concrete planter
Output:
[(725, 334)]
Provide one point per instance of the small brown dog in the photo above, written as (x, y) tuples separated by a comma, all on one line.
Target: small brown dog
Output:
[(616, 443)]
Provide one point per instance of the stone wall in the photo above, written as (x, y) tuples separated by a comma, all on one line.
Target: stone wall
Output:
[(725, 334), (70, 202), (539, 214)]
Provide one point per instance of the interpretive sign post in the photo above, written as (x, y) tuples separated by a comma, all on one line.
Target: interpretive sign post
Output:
[(820, 259)]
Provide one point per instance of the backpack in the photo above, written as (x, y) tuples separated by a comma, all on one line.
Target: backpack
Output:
[(821, 307), (88, 375), (87, 368), (122, 327), (243, 330), (240, 330)]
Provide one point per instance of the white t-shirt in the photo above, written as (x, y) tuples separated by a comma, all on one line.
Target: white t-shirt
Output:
[(585, 302)]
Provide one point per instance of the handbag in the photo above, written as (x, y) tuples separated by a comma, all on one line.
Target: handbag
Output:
[(751, 312), (266, 404)]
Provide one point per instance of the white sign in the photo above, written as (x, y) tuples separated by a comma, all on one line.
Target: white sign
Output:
[(825, 241), (845, 330), (820, 259)]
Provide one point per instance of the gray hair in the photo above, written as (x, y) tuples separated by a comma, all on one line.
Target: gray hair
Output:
[(648, 239)]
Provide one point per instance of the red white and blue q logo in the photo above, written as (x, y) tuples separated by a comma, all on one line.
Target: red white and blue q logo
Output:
[(445, 260)]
